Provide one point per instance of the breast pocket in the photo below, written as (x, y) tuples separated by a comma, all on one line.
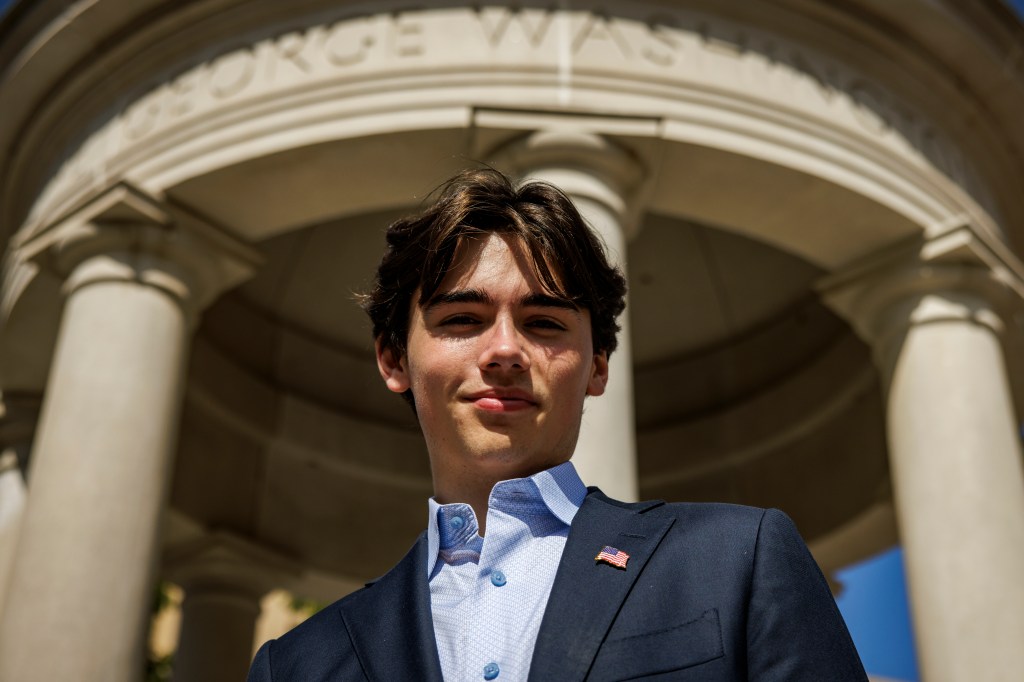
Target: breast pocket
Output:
[(660, 651)]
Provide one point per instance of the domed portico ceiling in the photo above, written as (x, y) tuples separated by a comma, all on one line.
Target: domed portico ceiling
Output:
[(693, 290)]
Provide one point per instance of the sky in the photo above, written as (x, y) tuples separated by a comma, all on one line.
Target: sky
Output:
[(874, 603)]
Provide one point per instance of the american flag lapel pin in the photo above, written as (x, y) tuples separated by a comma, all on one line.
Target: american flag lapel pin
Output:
[(615, 557)]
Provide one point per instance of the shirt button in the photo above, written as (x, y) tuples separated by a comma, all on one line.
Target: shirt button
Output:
[(491, 671), (456, 522), (497, 579)]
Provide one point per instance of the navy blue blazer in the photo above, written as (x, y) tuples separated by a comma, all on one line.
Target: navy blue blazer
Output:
[(710, 592)]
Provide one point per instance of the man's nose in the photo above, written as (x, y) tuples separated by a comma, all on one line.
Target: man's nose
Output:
[(504, 348)]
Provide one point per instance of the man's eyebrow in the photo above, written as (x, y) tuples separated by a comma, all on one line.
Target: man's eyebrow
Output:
[(548, 301), (457, 296), (537, 300)]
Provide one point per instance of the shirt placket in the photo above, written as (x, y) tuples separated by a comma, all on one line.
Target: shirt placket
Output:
[(459, 535), (498, 593)]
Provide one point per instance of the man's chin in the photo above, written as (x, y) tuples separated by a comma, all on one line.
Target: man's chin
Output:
[(496, 451), (506, 463)]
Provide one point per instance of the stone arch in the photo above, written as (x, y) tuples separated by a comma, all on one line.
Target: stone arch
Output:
[(703, 97)]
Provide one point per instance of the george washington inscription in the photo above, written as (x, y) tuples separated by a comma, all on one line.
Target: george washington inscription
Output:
[(673, 55)]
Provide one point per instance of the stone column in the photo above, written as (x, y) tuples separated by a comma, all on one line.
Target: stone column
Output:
[(934, 318), (136, 276), (224, 579), (600, 177), (18, 416)]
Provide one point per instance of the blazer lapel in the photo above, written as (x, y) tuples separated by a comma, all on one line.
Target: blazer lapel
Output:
[(390, 623), (587, 595)]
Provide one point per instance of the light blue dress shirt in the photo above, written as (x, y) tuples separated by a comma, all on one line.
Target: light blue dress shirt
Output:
[(487, 595)]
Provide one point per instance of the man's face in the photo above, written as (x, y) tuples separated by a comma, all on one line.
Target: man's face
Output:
[(498, 368)]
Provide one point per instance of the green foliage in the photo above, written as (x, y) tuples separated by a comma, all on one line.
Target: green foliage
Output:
[(158, 668), (305, 606), (161, 598)]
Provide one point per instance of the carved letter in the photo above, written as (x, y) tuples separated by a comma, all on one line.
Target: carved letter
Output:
[(944, 156), (142, 117), (599, 27), (534, 31), (802, 65), (289, 48), (407, 36), (183, 91), (714, 43), (868, 106), (665, 55), (230, 74), (343, 46)]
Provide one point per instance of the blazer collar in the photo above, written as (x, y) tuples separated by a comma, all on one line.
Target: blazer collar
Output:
[(390, 623), (587, 595)]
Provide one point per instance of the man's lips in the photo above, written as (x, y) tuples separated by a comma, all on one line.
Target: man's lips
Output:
[(502, 401)]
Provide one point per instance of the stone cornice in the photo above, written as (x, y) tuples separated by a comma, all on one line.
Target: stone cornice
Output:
[(582, 164), (976, 277), (223, 561), (124, 234)]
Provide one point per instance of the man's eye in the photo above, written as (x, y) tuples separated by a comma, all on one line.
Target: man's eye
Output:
[(456, 320), (546, 323)]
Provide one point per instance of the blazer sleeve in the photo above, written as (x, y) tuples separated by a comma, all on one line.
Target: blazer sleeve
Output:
[(794, 628), (259, 670)]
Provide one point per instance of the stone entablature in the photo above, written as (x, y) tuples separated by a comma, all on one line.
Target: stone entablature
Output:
[(671, 64)]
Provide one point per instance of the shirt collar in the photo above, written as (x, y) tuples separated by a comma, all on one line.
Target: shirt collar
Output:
[(559, 488)]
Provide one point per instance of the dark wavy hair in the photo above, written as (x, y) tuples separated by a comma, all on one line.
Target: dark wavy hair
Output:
[(569, 258)]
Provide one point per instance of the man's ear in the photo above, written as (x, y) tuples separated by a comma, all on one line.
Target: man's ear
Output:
[(598, 374), (392, 369)]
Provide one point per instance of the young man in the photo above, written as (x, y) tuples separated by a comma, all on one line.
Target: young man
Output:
[(494, 315)]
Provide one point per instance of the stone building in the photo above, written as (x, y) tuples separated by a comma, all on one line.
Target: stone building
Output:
[(818, 204)]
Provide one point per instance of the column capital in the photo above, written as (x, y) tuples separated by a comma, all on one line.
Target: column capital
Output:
[(220, 559), (125, 234), (958, 274), (582, 164)]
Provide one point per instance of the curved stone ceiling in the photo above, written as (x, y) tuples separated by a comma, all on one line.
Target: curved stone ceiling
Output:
[(691, 287)]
